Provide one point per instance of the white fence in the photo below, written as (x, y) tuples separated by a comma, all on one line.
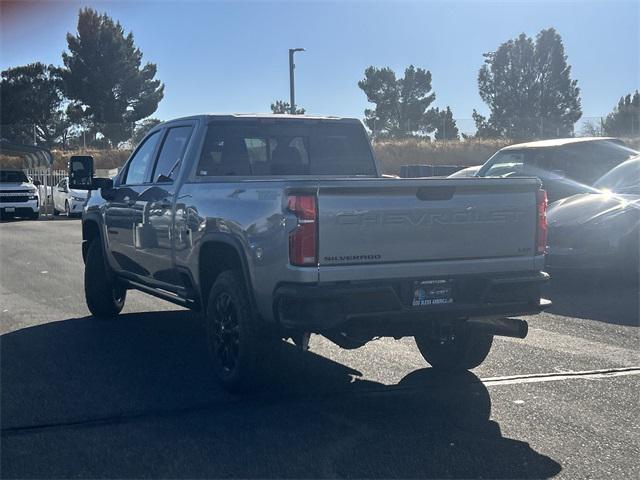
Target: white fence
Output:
[(40, 174)]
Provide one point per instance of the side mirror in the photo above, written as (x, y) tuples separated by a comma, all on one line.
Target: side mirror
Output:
[(81, 172)]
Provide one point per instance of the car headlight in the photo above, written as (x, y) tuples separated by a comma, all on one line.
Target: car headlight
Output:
[(78, 199)]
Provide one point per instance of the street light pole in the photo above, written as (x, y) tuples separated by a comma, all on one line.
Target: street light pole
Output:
[(292, 88)]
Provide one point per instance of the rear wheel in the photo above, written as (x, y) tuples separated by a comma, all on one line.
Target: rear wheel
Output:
[(241, 348), (104, 295), (464, 352), (67, 210)]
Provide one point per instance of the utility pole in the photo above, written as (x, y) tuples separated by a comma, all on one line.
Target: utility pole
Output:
[(292, 88)]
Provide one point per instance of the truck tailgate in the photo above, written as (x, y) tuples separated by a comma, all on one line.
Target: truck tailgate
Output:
[(418, 220)]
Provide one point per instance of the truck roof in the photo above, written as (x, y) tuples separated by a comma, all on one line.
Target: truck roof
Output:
[(264, 116), (558, 142)]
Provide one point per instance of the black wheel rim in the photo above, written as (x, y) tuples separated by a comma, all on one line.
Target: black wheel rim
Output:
[(225, 332), (118, 294)]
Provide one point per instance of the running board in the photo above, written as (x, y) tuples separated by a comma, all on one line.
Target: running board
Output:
[(163, 294)]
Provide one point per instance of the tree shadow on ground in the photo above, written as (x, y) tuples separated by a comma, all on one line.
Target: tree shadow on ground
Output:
[(134, 397)]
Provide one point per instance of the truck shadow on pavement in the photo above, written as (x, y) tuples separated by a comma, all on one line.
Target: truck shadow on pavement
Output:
[(601, 297), (134, 397)]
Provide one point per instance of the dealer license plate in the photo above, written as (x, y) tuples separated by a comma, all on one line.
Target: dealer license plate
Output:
[(9, 209), (432, 292)]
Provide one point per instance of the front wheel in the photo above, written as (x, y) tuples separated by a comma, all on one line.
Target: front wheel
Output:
[(241, 348), (104, 295), (464, 352)]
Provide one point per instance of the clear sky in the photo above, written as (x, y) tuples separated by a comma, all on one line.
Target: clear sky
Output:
[(216, 56)]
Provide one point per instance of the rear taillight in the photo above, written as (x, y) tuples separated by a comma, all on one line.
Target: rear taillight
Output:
[(541, 231), (303, 240)]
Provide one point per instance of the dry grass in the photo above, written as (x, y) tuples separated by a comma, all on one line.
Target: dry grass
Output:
[(392, 154)]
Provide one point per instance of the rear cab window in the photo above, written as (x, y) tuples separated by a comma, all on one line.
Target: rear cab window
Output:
[(282, 148)]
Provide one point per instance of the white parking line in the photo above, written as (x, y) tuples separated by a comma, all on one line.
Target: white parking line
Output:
[(554, 377)]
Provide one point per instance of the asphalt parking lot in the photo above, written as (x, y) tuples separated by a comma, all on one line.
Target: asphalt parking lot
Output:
[(134, 397)]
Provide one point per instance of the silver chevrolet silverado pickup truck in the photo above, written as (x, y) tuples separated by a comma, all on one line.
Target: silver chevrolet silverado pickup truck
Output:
[(276, 227)]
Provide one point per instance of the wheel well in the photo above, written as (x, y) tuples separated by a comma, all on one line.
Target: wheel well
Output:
[(90, 232), (215, 258)]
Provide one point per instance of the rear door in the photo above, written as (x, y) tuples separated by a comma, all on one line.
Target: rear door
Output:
[(399, 221)]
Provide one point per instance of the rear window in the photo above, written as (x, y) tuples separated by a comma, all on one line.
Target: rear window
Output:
[(285, 148), (13, 176)]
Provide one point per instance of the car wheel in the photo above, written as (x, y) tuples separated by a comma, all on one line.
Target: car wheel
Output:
[(241, 348), (464, 352), (35, 216), (104, 295), (56, 212), (67, 210)]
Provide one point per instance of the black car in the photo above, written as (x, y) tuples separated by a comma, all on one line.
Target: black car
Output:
[(565, 166), (599, 229)]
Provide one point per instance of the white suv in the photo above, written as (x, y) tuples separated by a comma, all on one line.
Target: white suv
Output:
[(18, 196)]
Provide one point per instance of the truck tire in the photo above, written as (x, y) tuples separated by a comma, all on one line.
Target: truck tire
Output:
[(464, 352), (241, 349), (104, 297)]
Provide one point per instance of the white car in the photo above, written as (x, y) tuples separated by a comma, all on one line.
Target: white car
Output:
[(67, 200), (18, 196)]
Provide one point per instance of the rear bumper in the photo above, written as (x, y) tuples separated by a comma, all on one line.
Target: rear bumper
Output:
[(385, 306)]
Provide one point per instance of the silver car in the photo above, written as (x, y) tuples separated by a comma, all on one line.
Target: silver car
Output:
[(600, 228)]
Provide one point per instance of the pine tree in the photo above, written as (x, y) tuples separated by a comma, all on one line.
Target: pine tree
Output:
[(402, 105), (105, 79), (528, 89), (624, 120), (446, 128)]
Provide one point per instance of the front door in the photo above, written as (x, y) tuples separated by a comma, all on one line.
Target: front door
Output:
[(153, 224), (122, 208)]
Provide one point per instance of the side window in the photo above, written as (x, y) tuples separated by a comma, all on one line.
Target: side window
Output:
[(139, 163), (171, 152), (62, 183)]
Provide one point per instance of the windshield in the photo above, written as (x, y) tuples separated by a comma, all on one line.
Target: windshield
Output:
[(583, 162), (13, 176), (621, 178)]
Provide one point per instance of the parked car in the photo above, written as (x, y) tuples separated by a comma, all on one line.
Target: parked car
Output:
[(281, 226), (565, 166), (18, 195), (68, 200), (599, 229), (466, 172)]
